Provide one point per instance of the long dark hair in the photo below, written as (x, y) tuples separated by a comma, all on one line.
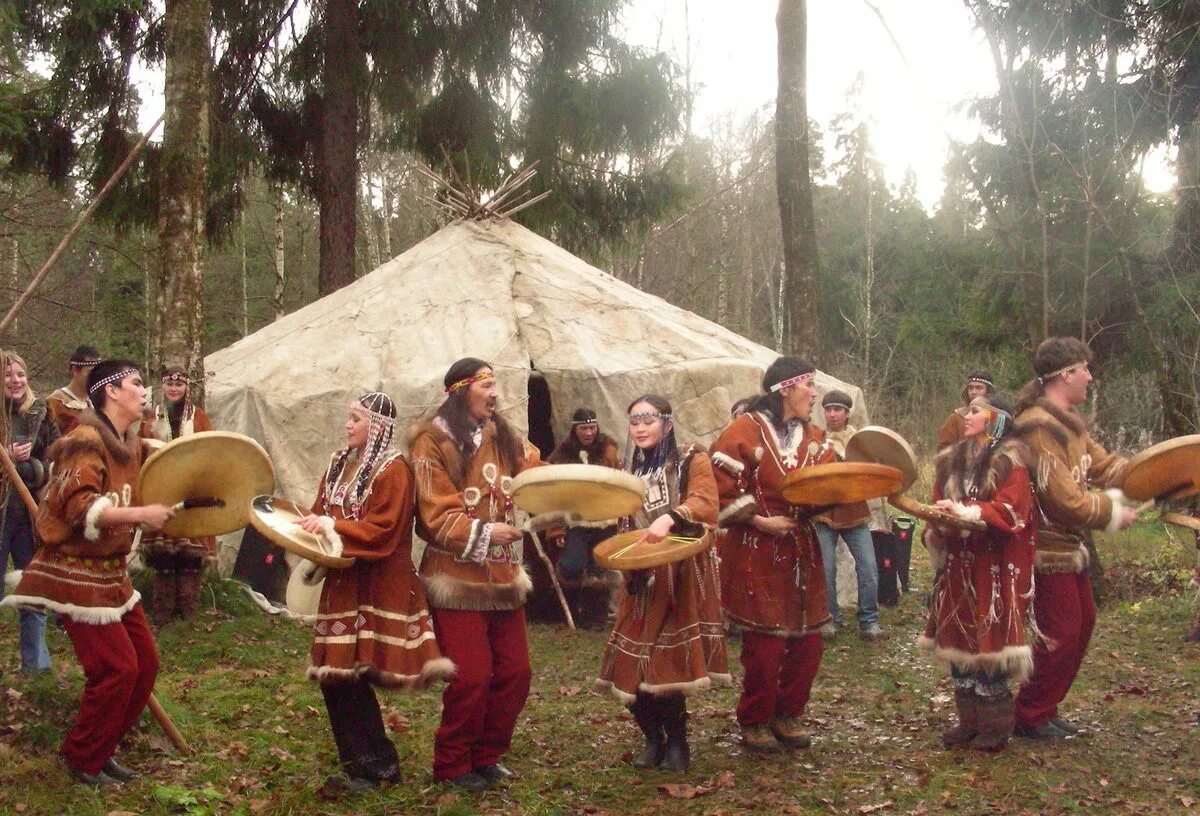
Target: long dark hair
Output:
[(462, 427), (666, 450), (978, 470), (569, 449), (782, 369), (1053, 354)]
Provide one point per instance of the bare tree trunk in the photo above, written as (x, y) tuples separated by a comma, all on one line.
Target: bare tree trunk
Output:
[(180, 307), (245, 276), (280, 278), (368, 217), (344, 75), (385, 189), (793, 182)]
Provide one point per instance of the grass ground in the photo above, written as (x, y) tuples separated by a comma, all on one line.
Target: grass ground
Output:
[(233, 681)]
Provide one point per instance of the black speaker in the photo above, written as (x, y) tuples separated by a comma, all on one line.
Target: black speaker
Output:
[(885, 561), (261, 565), (903, 528)]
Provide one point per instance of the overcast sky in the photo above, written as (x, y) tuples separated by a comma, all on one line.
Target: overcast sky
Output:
[(912, 86)]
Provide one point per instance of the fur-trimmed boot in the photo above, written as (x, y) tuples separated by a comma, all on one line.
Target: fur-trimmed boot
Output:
[(968, 721), (678, 755), (645, 713), (996, 720)]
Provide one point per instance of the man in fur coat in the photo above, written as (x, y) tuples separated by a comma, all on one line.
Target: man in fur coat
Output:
[(1070, 465)]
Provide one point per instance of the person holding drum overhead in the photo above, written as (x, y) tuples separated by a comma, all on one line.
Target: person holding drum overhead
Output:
[(586, 445), (979, 384), (668, 638), (464, 460), (773, 581), (1069, 463), (373, 624), (979, 605), (178, 563), (86, 523)]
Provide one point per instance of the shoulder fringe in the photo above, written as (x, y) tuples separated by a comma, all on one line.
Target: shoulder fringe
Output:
[(440, 668), (737, 511), (1051, 561), (94, 615), (445, 592), (1014, 662)]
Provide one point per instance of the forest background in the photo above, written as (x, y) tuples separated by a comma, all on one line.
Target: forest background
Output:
[(1045, 226)]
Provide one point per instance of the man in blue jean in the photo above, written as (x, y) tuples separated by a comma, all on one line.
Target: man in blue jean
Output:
[(849, 522)]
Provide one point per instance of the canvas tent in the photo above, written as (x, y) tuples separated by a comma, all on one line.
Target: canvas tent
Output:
[(490, 289)]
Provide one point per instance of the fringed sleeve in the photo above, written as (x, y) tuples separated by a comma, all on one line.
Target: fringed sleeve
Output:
[(1062, 498), (74, 497)]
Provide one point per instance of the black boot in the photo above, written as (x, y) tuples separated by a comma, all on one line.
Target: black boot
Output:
[(645, 712), (677, 756)]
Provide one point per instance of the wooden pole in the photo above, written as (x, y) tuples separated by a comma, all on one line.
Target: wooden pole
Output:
[(156, 708), (69, 238), (562, 599)]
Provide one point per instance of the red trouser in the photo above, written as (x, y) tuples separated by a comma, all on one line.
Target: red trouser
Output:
[(120, 662), (1066, 615), (779, 674), (482, 701)]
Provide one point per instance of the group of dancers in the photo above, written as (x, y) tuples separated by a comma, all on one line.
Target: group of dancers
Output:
[(456, 616)]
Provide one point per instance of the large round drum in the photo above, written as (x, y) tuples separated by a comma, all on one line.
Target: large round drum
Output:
[(276, 519), (932, 513), (1169, 470), (841, 483), (883, 446), (633, 551), (590, 492), (219, 470), (1182, 520)]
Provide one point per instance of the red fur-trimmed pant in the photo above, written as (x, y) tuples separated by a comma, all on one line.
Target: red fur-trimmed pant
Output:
[(1066, 615), (482, 701), (779, 675), (120, 662)]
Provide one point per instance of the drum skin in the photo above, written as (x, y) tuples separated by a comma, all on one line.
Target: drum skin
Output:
[(631, 550), (589, 492), (841, 483)]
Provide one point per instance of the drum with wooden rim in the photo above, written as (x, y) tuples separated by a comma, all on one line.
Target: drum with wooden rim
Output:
[(586, 492), (633, 551), (841, 483), (276, 519)]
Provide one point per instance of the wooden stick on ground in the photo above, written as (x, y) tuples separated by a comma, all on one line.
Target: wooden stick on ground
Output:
[(164, 719), (562, 599), (69, 238)]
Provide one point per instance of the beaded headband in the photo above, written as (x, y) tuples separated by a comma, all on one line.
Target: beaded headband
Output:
[(981, 381), (467, 381), (651, 415), (367, 403), (175, 377), (85, 363), (1045, 378), (983, 403), (579, 422), (799, 378), (835, 405), (112, 378)]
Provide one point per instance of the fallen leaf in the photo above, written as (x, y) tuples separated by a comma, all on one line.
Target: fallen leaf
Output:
[(678, 791)]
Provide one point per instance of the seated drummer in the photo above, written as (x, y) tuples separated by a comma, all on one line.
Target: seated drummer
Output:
[(587, 445), (668, 638), (464, 460), (86, 524), (373, 624)]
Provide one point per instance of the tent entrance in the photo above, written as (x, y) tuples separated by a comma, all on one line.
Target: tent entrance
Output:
[(540, 408)]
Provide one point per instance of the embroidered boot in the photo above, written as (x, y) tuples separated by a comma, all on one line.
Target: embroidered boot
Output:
[(968, 722), (645, 713), (678, 755), (995, 715)]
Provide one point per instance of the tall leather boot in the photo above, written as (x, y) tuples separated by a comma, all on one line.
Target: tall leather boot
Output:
[(678, 755), (968, 722), (645, 713), (162, 597), (189, 584), (996, 722)]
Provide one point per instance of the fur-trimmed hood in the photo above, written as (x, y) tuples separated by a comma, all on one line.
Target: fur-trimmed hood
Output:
[(124, 450), (961, 459)]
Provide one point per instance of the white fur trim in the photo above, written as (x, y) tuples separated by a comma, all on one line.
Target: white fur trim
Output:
[(95, 615), (734, 508), (329, 533), (1114, 521), (555, 518), (1014, 662), (967, 512), (11, 579), (312, 573), (728, 463), (608, 686), (91, 522), (685, 688)]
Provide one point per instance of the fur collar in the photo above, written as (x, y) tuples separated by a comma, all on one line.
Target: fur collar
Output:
[(960, 460), (1071, 420), (122, 450)]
